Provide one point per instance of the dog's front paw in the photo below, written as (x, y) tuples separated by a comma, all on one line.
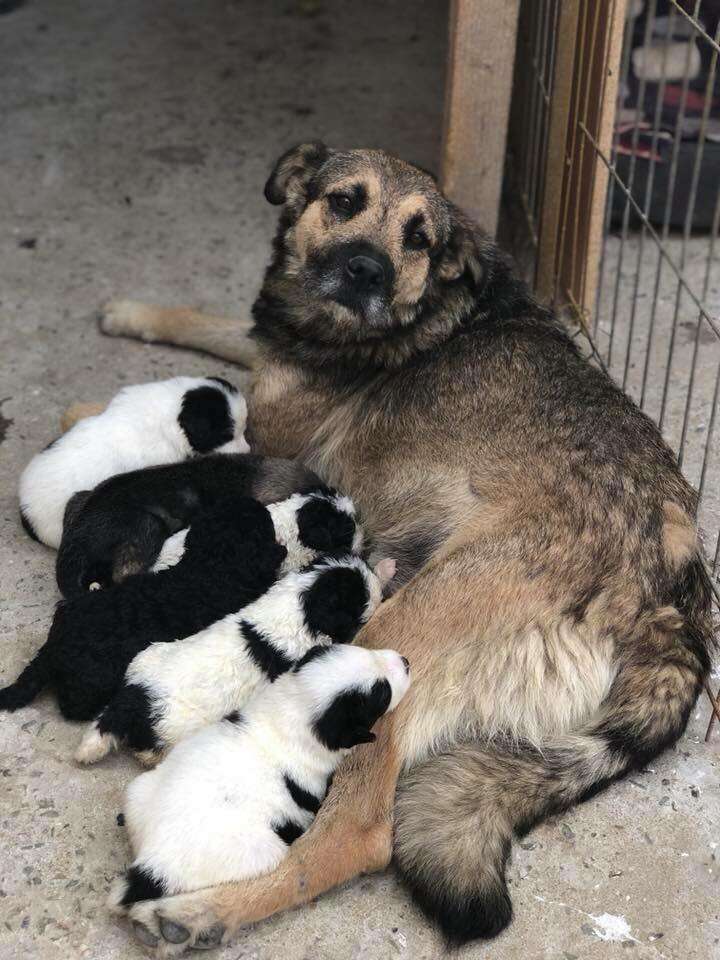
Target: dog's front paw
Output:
[(172, 925), (127, 318)]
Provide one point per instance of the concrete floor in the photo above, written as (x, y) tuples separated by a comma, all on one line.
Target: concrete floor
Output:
[(136, 139)]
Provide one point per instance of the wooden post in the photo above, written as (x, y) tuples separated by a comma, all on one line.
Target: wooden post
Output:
[(573, 253), (477, 104), (559, 123)]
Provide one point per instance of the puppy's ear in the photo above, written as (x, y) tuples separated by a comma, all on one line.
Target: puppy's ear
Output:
[(462, 257), (74, 507), (347, 720), (293, 172)]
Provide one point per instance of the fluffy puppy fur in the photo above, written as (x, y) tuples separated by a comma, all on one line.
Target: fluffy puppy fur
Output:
[(170, 690), (231, 559), (227, 802), (145, 424), (320, 523), (118, 528)]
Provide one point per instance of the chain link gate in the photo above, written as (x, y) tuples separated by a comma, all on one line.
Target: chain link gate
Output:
[(614, 152)]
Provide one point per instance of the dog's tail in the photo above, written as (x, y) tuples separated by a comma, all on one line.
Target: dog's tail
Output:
[(28, 685), (457, 813)]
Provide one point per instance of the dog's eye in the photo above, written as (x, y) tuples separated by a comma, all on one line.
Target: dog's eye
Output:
[(417, 241), (341, 204)]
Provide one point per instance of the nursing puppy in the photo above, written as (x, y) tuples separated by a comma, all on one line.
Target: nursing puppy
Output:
[(118, 528), (170, 690), (322, 522), (231, 558), (227, 802), (143, 425)]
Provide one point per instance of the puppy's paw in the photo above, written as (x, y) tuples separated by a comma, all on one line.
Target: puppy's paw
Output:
[(94, 745), (187, 921), (127, 318), (149, 758)]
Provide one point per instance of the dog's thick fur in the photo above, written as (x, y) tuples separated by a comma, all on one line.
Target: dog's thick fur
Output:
[(555, 609), (228, 801)]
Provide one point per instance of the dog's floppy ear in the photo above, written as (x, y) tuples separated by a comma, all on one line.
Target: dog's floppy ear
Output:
[(293, 172), (462, 256)]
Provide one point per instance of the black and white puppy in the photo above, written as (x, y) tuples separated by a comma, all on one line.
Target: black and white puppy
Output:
[(231, 558), (170, 690), (118, 528), (143, 425), (226, 803), (309, 525)]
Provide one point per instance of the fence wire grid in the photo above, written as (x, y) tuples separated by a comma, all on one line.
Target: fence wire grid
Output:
[(614, 151)]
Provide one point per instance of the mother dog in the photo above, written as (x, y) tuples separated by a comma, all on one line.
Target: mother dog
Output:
[(551, 593)]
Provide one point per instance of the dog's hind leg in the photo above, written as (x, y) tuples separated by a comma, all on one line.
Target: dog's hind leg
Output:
[(352, 834), (182, 327)]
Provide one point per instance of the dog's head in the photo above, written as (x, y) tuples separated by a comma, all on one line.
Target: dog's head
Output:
[(368, 247), (347, 690)]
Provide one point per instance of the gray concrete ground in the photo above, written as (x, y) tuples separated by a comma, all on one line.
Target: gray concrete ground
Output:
[(135, 141)]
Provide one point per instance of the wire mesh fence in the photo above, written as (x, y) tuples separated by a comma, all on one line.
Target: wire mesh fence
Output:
[(615, 153)]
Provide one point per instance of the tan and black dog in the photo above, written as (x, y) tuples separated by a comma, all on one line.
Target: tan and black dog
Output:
[(551, 598)]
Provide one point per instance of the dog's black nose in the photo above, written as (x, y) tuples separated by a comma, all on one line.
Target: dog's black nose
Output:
[(407, 663), (365, 272)]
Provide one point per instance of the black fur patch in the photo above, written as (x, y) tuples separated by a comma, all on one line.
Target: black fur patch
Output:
[(304, 799), (74, 507), (335, 603), (312, 654), (130, 717), (322, 527), (113, 518), (268, 658), (235, 717), (462, 915), (231, 558), (691, 595), (288, 831), (205, 419), (141, 886), (28, 527), (348, 719), (231, 388)]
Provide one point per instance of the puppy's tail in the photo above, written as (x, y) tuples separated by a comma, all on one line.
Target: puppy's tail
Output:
[(457, 813), (28, 685)]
